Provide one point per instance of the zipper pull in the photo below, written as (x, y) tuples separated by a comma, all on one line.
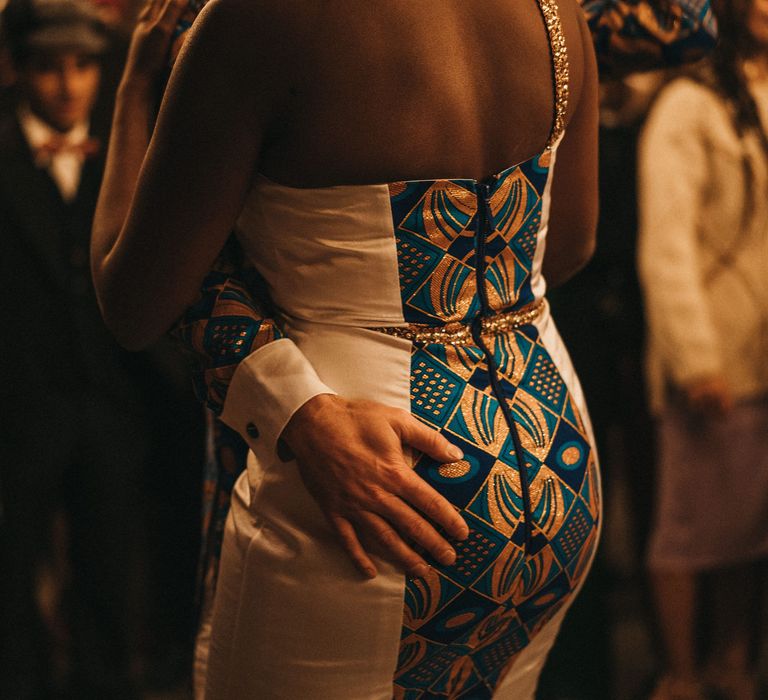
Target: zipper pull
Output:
[(483, 228), (484, 194), (484, 202)]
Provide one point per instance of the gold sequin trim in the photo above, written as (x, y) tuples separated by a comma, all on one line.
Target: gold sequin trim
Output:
[(454, 470), (458, 333), (560, 72)]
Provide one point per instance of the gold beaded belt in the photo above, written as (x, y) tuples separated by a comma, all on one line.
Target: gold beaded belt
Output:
[(458, 333)]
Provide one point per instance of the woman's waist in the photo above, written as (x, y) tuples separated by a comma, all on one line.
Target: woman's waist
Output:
[(452, 329)]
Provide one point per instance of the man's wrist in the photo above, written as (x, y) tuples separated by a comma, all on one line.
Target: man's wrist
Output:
[(310, 408), (267, 389)]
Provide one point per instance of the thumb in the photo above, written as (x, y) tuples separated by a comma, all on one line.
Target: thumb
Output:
[(414, 433)]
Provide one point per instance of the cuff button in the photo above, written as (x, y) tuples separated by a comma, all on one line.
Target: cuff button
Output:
[(252, 430)]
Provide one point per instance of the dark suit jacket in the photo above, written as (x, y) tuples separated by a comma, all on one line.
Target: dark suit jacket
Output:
[(55, 353), (88, 427)]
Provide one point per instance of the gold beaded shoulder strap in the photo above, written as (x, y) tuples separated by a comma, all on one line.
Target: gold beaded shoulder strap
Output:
[(560, 72)]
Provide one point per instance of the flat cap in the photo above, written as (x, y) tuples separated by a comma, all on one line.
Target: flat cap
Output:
[(53, 25)]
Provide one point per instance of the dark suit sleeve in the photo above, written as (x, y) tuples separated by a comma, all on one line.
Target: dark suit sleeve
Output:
[(645, 34), (229, 321)]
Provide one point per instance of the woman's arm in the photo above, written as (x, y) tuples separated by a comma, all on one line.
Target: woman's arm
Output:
[(133, 119), (574, 208), (672, 186), (156, 237), (229, 319)]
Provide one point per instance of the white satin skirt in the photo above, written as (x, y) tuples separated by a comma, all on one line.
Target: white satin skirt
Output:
[(292, 617)]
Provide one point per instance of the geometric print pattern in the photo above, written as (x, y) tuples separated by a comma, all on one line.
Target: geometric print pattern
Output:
[(231, 318), (435, 233), (527, 484), (464, 624)]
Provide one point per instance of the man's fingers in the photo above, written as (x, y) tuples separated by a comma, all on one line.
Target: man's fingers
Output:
[(415, 490), (437, 508), (351, 544), (414, 528), (392, 546), (414, 433)]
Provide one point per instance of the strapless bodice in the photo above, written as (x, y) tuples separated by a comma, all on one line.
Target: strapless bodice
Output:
[(422, 251)]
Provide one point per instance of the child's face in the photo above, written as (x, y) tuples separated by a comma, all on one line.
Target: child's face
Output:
[(61, 86)]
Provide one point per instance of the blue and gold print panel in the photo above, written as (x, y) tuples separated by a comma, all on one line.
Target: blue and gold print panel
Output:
[(465, 623), (435, 229)]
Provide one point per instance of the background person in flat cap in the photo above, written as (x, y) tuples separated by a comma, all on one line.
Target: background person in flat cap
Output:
[(55, 47), (78, 435)]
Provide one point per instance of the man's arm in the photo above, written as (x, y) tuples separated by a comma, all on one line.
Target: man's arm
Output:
[(632, 35), (230, 320)]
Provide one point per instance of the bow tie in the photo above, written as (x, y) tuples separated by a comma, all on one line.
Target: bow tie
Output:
[(56, 145)]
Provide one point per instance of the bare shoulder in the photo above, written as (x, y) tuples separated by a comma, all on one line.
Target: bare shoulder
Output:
[(688, 109), (685, 93), (245, 13), (246, 48), (257, 28)]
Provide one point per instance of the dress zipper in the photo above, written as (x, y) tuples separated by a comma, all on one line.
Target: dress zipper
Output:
[(484, 226)]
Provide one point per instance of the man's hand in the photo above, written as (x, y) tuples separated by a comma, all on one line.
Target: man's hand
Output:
[(709, 397), (351, 458), (151, 41)]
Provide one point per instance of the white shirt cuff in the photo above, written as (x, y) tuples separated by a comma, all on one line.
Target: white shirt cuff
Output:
[(268, 387)]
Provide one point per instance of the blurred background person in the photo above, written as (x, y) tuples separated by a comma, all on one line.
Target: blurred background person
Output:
[(90, 606), (703, 259), (600, 315)]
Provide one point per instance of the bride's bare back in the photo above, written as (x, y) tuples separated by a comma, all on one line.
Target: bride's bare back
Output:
[(329, 92), (376, 92)]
